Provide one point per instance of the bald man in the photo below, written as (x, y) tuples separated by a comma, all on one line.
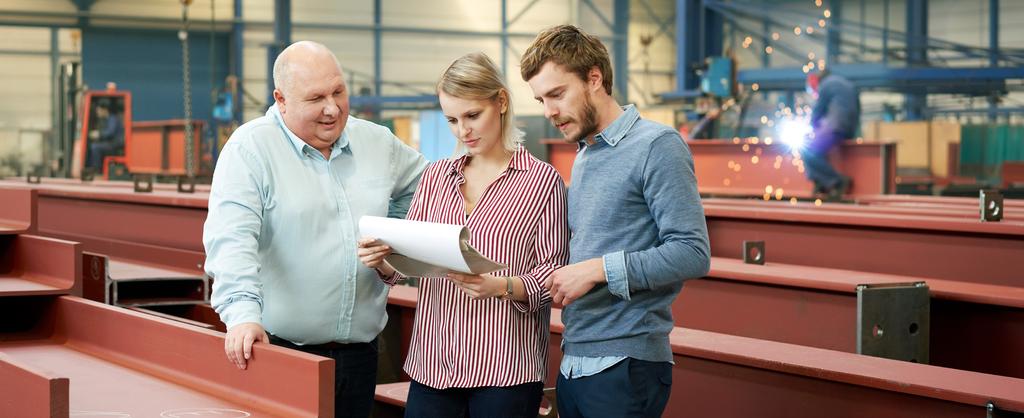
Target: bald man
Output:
[(280, 237)]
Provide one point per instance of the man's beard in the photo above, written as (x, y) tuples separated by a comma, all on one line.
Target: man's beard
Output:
[(587, 122)]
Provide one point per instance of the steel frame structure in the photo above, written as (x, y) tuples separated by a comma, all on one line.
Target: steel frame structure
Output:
[(973, 326), (947, 248), (963, 208), (732, 376), (117, 362), (282, 25), (918, 77), (57, 345)]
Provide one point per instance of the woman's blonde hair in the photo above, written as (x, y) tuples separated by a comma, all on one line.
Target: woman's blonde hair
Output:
[(475, 77)]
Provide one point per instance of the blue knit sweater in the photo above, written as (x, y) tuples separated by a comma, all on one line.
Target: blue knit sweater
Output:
[(633, 201)]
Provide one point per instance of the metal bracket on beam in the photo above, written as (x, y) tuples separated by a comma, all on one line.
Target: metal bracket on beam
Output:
[(991, 205), (893, 321), (95, 284), (186, 184), (992, 411), (753, 252), (33, 177), (143, 183)]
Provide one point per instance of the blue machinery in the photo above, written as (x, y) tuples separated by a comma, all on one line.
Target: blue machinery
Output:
[(909, 62)]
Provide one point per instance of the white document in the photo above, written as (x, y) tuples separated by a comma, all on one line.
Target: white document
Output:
[(427, 249)]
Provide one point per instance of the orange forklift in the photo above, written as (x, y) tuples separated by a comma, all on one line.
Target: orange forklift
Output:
[(105, 132), (148, 148)]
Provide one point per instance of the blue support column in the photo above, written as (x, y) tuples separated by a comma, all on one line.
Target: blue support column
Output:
[(687, 44), (993, 52), (766, 34), (620, 66), (699, 34), (54, 143), (237, 60), (993, 33), (863, 27), (504, 39), (917, 53), (713, 33), (885, 32), (282, 38), (833, 45), (378, 48), (83, 6)]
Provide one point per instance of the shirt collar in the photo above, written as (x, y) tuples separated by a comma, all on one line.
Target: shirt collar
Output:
[(617, 130), (301, 146), (520, 161)]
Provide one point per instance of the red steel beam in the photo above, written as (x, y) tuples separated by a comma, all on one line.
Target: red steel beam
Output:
[(32, 265), (159, 227), (933, 200), (744, 167), (168, 227), (17, 211), (910, 209), (97, 183), (30, 392), (973, 326), (201, 313), (96, 286), (139, 365), (730, 376), (951, 249), (178, 318)]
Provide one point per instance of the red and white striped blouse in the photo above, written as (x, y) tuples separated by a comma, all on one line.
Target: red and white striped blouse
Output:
[(519, 221)]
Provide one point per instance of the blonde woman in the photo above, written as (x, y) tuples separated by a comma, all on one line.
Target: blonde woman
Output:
[(479, 343)]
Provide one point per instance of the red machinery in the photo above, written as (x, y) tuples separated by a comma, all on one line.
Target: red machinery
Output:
[(150, 147), (122, 101), (158, 148)]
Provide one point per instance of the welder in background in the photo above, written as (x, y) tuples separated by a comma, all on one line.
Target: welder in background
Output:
[(835, 118)]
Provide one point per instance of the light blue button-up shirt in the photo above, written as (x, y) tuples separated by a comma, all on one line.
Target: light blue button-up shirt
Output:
[(282, 227)]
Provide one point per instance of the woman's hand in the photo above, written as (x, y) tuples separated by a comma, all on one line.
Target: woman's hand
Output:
[(371, 253), (478, 286)]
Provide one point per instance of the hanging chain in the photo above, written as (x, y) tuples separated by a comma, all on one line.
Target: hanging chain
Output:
[(187, 86)]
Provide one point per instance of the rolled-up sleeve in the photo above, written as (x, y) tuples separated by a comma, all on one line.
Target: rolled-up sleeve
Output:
[(615, 274), (407, 168), (230, 237), (551, 250), (670, 189)]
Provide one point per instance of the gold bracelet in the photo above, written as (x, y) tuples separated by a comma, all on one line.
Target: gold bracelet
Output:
[(508, 289)]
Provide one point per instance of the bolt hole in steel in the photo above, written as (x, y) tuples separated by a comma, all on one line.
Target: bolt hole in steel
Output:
[(754, 253), (95, 268), (913, 328), (877, 331)]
